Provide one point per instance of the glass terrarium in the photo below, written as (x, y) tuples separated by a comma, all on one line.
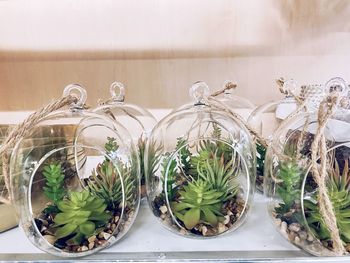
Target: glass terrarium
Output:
[(307, 177), (267, 118), (138, 121), (7, 213), (75, 177), (200, 169)]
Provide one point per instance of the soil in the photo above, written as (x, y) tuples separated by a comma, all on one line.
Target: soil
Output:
[(342, 153), (233, 209), (292, 230), (45, 224), (299, 235)]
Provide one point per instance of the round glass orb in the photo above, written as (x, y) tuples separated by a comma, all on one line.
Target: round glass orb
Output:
[(200, 169), (138, 121), (290, 179), (75, 179)]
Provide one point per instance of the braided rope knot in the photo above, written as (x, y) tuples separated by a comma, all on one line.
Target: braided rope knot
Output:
[(228, 86)]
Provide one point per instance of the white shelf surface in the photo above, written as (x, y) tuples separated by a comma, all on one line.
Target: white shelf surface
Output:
[(148, 240)]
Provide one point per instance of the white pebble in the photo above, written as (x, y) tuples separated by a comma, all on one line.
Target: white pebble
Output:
[(222, 228), (131, 214), (310, 238), (91, 245), (284, 227), (84, 248), (183, 232), (92, 239), (111, 240), (50, 239), (163, 209), (295, 227), (227, 219), (204, 230), (106, 236), (302, 235), (292, 235), (167, 221), (278, 221)]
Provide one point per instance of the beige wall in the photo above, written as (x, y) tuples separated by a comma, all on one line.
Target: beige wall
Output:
[(158, 83), (159, 47)]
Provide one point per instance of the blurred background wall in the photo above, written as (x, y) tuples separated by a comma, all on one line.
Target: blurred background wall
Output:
[(158, 48)]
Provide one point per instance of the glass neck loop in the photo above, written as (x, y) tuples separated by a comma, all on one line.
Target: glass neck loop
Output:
[(290, 88), (338, 86), (199, 92), (77, 91), (117, 91)]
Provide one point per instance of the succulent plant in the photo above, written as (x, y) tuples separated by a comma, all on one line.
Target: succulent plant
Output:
[(54, 189), (111, 145), (153, 157), (105, 182), (216, 131), (289, 188), (79, 217), (198, 202), (184, 155), (338, 186), (169, 165), (220, 175), (201, 200), (198, 185), (206, 150), (141, 145)]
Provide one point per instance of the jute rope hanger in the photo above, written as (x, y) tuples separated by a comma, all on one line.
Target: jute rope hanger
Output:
[(319, 171), (301, 105), (21, 131), (217, 104), (280, 84)]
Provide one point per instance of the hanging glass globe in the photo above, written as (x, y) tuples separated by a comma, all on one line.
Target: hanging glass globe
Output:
[(137, 121), (75, 178), (200, 169), (307, 170)]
